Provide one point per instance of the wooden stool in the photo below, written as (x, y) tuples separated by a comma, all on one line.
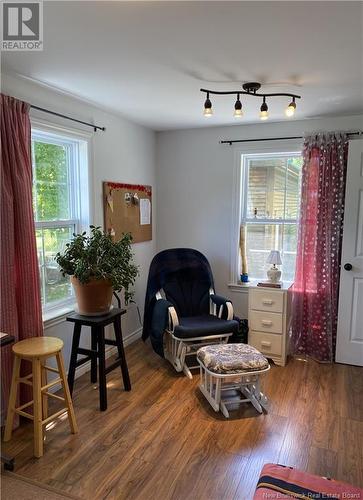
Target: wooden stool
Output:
[(97, 351), (37, 350)]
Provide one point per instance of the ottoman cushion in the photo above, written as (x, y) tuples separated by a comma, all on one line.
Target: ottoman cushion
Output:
[(231, 358)]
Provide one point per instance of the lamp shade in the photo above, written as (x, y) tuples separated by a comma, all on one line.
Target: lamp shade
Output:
[(274, 258)]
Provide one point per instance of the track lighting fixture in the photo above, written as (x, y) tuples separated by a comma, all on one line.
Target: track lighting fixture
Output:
[(208, 107), (290, 110), (238, 113), (250, 88), (264, 110)]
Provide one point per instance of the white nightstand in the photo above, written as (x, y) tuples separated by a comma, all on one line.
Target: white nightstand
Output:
[(269, 320)]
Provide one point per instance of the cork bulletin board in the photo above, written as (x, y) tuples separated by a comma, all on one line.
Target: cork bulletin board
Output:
[(128, 209)]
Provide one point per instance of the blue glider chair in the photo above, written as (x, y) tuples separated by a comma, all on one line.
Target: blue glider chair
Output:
[(182, 311)]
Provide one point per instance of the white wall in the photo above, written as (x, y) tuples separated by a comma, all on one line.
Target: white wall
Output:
[(125, 152), (196, 186)]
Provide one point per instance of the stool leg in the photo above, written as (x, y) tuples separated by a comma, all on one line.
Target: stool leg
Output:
[(73, 361), (67, 395), (102, 367), (37, 408), (12, 399), (94, 358), (121, 353), (44, 396)]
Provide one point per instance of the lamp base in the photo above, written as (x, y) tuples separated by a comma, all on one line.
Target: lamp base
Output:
[(274, 275)]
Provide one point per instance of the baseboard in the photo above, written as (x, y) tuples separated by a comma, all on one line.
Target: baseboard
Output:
[(133, 336)]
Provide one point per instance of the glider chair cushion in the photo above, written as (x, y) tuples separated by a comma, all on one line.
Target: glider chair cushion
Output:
[(188, 293), (203, 325)]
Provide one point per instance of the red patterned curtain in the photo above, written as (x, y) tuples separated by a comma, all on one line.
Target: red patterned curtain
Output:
[(20, 306), (316, 287)]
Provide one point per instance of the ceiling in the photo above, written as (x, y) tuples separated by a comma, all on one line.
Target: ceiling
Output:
[(148, 60)]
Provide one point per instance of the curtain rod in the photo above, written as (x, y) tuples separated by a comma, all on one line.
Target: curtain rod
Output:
[(95, 127), (230, 142)]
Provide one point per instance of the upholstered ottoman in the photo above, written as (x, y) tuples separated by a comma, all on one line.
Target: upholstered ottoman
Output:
[(279, 482), (232, 366)]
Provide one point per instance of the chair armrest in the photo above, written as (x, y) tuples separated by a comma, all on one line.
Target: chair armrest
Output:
[(173, 319), (218, 299), (222, 304)]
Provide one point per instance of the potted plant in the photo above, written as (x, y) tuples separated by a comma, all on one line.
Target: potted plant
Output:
[(98, 266)]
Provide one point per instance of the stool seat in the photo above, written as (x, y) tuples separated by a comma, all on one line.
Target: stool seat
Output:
[(231, 358), (38, 347)]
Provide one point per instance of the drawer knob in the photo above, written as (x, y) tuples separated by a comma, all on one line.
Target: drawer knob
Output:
[(267, 302), (266, 344), (266, 322)]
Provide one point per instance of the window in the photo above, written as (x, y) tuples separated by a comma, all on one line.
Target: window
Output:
[(60, 206), (270, 208)]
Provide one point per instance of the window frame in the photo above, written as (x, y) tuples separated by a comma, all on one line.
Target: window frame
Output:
[(79, 195), (239, 195)]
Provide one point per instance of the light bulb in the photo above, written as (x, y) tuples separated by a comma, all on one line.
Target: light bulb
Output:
[(238, 113), (207, 107), (264, 110), (290, 110)]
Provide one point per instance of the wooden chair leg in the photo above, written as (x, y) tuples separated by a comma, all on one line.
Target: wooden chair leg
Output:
[(67, 395), (37, 408), (12, 399), (44, 396)]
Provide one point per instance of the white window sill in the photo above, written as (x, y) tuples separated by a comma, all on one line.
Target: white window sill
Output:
[(53, 317)]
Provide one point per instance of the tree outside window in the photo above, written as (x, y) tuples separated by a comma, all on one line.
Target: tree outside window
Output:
[(55, 161), (270, 210)]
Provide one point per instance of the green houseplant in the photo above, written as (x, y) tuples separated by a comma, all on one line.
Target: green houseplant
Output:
[(98, 266)]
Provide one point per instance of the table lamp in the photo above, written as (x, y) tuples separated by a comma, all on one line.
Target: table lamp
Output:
[(273, 273)]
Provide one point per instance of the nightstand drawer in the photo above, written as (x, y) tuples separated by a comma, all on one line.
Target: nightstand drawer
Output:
[(263, 321), (267, 343), (266, 300)]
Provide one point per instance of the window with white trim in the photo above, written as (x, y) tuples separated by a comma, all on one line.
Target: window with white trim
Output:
[(270, 202), (60, 203)]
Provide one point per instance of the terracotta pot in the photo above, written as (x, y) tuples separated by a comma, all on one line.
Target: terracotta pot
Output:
[(93, 298)]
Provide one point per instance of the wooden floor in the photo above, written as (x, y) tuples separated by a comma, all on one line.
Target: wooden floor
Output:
[(162, 440)]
